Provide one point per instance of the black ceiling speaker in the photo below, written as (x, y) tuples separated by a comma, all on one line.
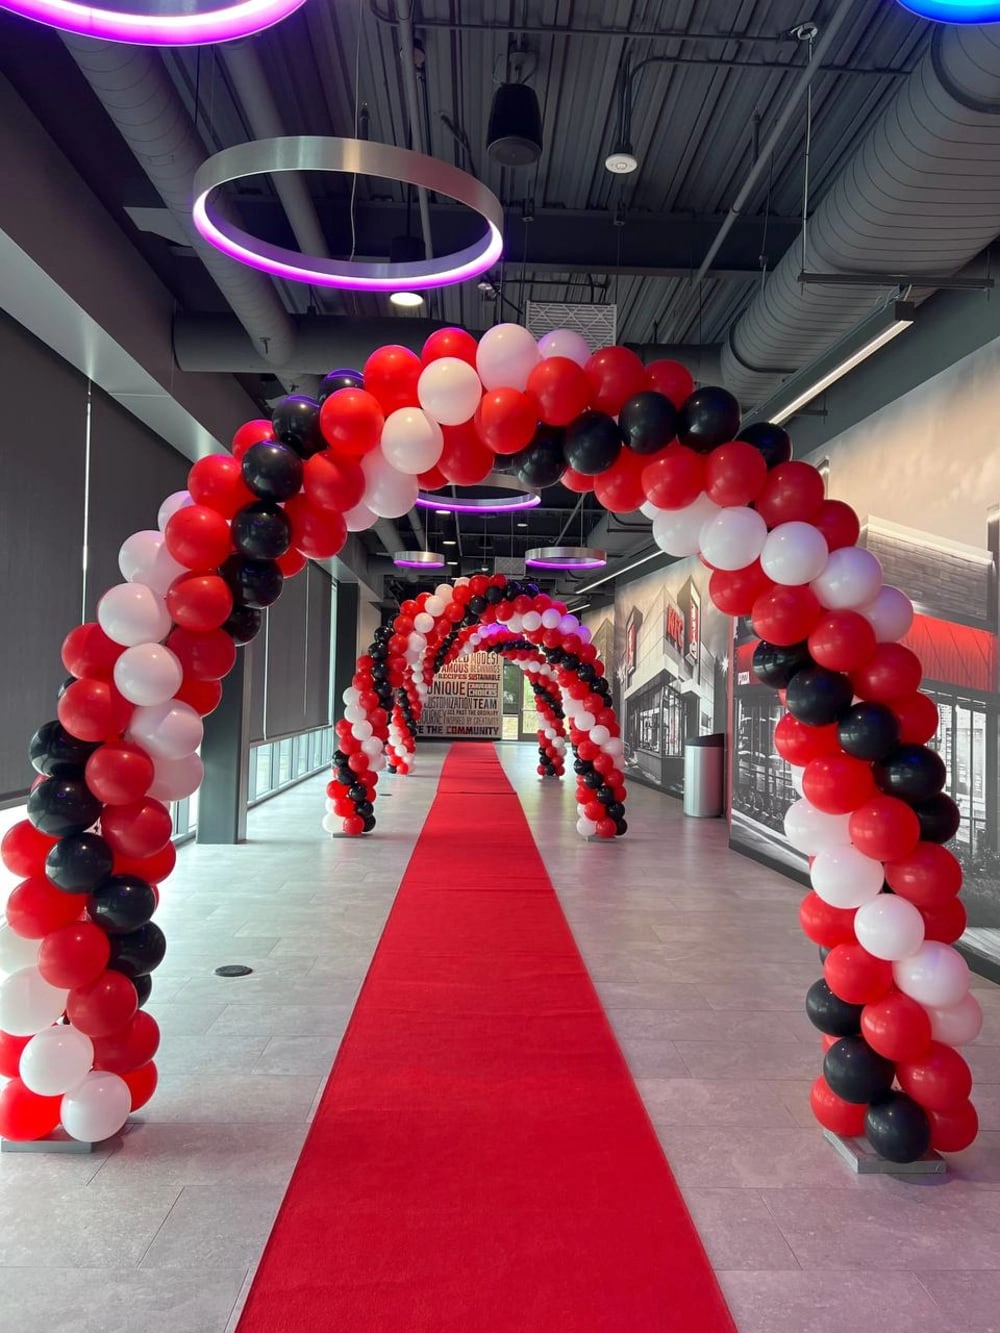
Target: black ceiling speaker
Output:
[(514, 137)]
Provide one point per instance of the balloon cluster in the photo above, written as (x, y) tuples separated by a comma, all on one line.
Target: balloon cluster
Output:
[(552, 734)]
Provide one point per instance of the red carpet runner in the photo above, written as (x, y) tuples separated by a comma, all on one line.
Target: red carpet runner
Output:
[(480, 1161)]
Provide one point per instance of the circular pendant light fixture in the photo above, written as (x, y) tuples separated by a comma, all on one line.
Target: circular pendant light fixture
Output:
[(566, 557), (955, 11), (495, 494), (171, 23), (355, 157), (419, 560)]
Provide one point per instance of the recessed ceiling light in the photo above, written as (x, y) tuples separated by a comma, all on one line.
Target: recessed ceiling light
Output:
[(450, 542), (406, 300), (443, 512), (522, 525), (621, 161)]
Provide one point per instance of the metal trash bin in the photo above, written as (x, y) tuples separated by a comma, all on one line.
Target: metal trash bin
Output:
[(704, 767)]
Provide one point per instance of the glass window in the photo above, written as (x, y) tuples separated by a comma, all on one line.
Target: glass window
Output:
[(284, 762)]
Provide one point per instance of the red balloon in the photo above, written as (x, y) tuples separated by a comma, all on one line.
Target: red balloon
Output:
[(786, 615), (317, 533), (800, 744), (838, 523), (466, 458), (93, 710), (73, 955), (577, 482), (450, 342), (735, 474), (24, 848), (671, 379), (897, 1027), (331, 482), (291, 563), (842, 641), (838, 784), (946, 922), (353, 825), (675, 477), (141, 1084), (560, 388), (391, 375), (918, 718), (209, 656), (36, 907), (855, 976), (217, 481), (620, 488), (826, 926), (616, 375), (251, 433), (928, 876), (128, 1048), (10, 1054), (199, 602), (24, 1116), (833, 1113), (204, 696), (87, 651), (138, 830), (938, 1081), (884, 828), (506, 420), (892, 672), (153, 869), (955, 1129), (103, 1006), (119, 773), (735, 591), (793, 492), (606, 828), (198, 538), (432, 480), (351, 422)]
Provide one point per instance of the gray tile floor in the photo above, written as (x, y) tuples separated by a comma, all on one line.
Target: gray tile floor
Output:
[(697, 955)]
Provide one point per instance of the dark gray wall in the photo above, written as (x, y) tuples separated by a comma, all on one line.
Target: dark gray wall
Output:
[(290, 685)]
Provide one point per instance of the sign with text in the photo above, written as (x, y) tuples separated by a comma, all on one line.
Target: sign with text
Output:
[(466, 700)]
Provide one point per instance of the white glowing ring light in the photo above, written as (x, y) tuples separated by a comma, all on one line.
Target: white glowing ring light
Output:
[(190, 26), (353, 157)]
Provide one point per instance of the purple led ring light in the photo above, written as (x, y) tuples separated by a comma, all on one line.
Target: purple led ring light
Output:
[(518, 497), (181, 29), (419, 560), (354, 157), (566, 557)]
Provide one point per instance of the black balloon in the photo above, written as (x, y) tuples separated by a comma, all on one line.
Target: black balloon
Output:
[(857, 1073), (939, 818), (648, 421), (868, 731), (592, 443), (709, 417), (830, 1013), (911, 772), (818, 697), (369, 824), (61, 806), (339, 379), (143, 988), (897, 1128), (593, 781), (770, 440), (775, 666), (261, 531), (138, 952), (272, 470), (621, 828), (255, 583), (244, 624), (121, 904), (296, 423), (357, 791), (79, 862), (540, 463), (54, 752)]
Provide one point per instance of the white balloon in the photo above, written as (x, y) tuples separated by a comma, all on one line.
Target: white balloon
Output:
[(585, 633), (957, 1024), (412, 442), (600, 735), (360, 518), (551, 618), (28, 1003), (889, 927), (794, 553), (332, 823), (506, 356), (372, 745), (798, 779), (355, 713), (678, 531), (176, 779), (416, 641), (531, 621), (445, 592), (584, 720), (55, 1060), (449, 390), (96, 1108), (423, 622), (170, 506), (731, 538), (361, 731), (845, 877), (351, 696), (585, 827), (15, 951), (434, 607), (166, 731), (890, 614), (936, 975), (149, 673), (649, 510), (615, 747), (811, 830), (131, 613), (567, 343), (388, 492), (851, 579), (568, 624)]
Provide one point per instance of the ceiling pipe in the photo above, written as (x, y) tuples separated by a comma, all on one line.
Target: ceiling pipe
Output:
[(133, 86), (408, 59)]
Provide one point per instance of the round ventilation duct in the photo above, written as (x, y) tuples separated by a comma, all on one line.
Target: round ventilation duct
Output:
[(514, 136)]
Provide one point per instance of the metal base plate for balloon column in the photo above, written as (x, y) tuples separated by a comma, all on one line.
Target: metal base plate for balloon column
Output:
[(861, 1157), (56, 1142), (608, 842)]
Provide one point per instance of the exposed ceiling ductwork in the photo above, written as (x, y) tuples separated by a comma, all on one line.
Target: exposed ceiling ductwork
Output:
[(920, 197)]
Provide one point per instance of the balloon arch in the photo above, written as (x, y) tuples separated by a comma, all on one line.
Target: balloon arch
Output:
[(78, 943)]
